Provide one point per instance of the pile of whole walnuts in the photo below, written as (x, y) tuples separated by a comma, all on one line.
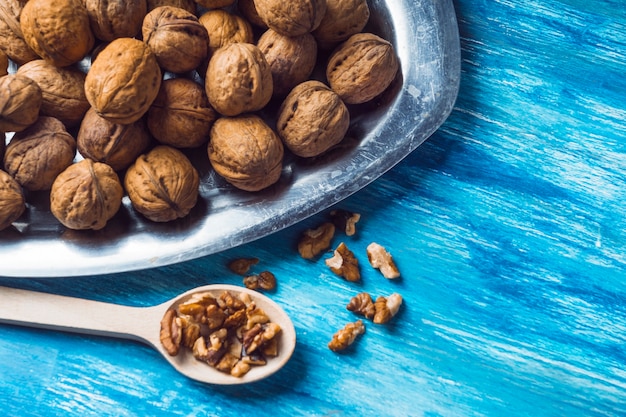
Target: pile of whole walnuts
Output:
[(165, 78)]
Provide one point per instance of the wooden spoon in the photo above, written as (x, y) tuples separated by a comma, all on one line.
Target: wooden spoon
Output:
[(56, 312)]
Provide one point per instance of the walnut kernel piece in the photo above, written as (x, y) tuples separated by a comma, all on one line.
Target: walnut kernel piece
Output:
[(291, 18), (265, 280), (162, 184), (245, 151), (12, 201), (58, 31), (386, 308), (20, 101), (346, 336), (86, 195), (363, 305), (123, 80), (241, 266), (382, 260), (315, 241), (344, 263), (170, 335), (345, 220), (362, 67)]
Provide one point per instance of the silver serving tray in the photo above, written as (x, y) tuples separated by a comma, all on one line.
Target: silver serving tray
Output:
[(382, 133)]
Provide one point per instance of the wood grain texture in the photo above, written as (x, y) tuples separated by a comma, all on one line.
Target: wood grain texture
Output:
[(507, 227)]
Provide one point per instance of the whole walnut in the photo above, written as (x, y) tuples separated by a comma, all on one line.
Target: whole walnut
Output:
[(20, 101), (215, 4), (362, 67), (86, 195), (291, 18), (247, 9), (225, 28), (246, 152), (62, 89), (58, 31), (189, 5), (114, 144), (181, 115), (3, 147), (312, 119), (12, 41), (343, 18), (238, 79), (177, 38), (36, 155), (12, 201), (111, 19), (123, 81), (4, 63), (291, 59), (162, 184)]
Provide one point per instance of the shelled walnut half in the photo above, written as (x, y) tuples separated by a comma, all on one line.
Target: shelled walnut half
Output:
[(345, 337)]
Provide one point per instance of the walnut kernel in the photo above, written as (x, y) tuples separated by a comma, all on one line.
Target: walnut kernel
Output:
[(382, 260), (241, 266), (386, 308), (264, 280), (345, 220), (363, 305), (315, 241), (343, 338), (344, 263)]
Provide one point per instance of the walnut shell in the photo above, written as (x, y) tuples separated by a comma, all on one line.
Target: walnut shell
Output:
[(86, 195), (177, 38), (189, 5), (238, 79), (112, 19), (181, 115), (12, 201), (362, 67), (162, 185), (12, 41), (58, 31), (343, 18), (246, 152), (114, 144), (312, 119), (247, 9), (215, 4), (35, 156), (20, 101), (291, 18), (4, 63), (291, 59), (225, 28), (3, 147), (123, 81), (63, 90)]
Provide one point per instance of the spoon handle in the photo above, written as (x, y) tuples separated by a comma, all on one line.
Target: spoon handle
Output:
[(57, 312)]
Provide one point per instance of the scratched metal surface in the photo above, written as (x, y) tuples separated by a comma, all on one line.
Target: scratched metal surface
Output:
[(507, 225), (381, 134)]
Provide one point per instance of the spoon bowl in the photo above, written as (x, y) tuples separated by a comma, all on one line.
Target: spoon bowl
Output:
[(76, 315)]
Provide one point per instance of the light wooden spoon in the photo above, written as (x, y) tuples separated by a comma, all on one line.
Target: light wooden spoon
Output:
[(56, 312)]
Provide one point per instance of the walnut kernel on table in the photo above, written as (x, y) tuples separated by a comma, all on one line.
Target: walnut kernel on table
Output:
[(123, 80), (62, 89), (180, 115), (241, 266), (86, 195), (343, 18), (12, 40), (344, 263), (162, 184), (36, 155), (264, 280), (312, 119), (345, 220), (291, 59), (177, 38), (345, 337), (246, 152), (362, 67), (380, 311), (291, 18), (112, 19), (225, 28), (315, 241), (58, 31), (382, 260), (12, 201), (238, 79), (20, 102)]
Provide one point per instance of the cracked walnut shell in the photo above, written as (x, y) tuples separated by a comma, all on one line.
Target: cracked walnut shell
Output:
[(20, 101), (58, 31), (12, 201), (362, 67), (246, 152), (291, 18), (162, 184), (86, 195), (123, 80), (312, 119)]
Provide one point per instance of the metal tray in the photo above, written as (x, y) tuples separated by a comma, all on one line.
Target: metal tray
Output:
[(382, 133)]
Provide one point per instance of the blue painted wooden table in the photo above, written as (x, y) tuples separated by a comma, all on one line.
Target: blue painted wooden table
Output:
[(507, 226)]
